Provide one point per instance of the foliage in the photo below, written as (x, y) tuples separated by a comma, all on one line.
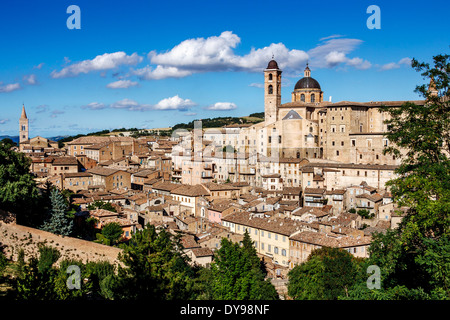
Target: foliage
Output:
[(42, 280), (414, 259), (237, 273), (3, 263), (18, 191), (57, 222), (111, 233), (423, 132), (101, 205), (156, 268), (327, 274), (365, 214)]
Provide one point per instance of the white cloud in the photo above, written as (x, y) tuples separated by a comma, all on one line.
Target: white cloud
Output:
[(188, 114), (3, 121), (222, 106), (130, 105), (121, 84), (216, 53), (30, 79), (160, 72), (334, 51), (9, 87), (256, 85), (395, 65), (174, 103), (359, 63), (106, 61), (94, 106)]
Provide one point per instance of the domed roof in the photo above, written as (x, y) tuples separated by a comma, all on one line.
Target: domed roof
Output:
[(272, 64), (307, 83)]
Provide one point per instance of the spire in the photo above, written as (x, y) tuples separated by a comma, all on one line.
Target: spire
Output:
[(24, 114)]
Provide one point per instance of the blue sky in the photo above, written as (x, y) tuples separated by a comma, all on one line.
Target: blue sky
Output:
[(151, 64)]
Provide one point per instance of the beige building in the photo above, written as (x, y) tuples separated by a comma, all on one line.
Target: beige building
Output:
[(110, 179), (270, 236)]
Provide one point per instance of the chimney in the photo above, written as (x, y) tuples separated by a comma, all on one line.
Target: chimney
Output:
[(329, 99)]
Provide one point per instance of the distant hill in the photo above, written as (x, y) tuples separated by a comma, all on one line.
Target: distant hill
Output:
[(13, 138), (222, 121)]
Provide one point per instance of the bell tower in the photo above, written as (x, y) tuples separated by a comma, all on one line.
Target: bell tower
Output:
[(23, 126), (272, 92)]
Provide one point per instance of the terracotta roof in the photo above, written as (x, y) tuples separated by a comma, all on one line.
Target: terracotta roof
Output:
[(191, 191), (165, 185), (327, 240), (202, 252), (76, 175), (311, 210), (315, 190), (65, 161), (103, 171), (282, 226)]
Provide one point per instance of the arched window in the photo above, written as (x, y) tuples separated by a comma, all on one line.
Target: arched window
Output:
[(310, 129), (270, 89), (302, 97), (298, 155), (270, 77), (313, 98)]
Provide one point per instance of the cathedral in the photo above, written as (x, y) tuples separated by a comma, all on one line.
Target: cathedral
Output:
[(309, 127)]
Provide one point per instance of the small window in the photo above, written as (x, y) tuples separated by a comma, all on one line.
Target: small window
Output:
[(270, 89)]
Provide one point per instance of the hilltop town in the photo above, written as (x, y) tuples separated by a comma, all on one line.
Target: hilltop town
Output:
[(311, 175)]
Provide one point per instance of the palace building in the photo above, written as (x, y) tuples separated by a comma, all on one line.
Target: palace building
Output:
[(309, 127)]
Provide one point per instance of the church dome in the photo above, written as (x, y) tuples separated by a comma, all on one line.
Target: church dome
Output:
[(272, 64), (307, 83)]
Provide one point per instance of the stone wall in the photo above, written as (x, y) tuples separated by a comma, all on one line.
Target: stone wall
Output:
[(13, 237)]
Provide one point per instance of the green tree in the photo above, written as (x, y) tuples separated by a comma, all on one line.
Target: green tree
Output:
[(155, 268), (423, 131), (101, 205), (57, 222), (237, 273), (413, 258), (112, 233), (328, 274), (18, 191)]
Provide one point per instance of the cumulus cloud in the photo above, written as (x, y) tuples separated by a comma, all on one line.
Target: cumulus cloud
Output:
[(106, 61), (216, 54), (395, 65), (122, 84), (160, 72), (172, 103), (9, 87), (222, 106)]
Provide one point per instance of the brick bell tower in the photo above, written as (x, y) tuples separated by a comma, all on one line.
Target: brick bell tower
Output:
[(23, 126), (272, 91)]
